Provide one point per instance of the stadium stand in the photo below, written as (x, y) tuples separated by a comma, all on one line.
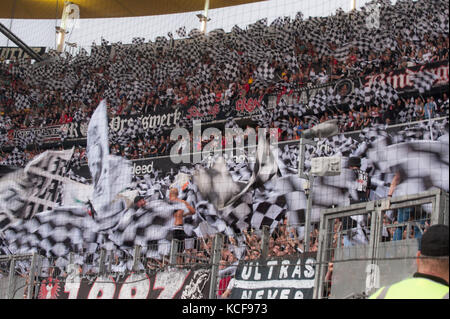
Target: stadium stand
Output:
[(212, 77)]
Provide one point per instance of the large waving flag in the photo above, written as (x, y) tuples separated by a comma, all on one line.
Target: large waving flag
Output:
[(36, 188), (110, 174)]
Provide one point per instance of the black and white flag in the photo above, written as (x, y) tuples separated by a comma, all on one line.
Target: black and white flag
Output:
[(423, 81)]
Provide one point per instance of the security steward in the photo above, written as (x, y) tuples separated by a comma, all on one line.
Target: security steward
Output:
[(431, 279)]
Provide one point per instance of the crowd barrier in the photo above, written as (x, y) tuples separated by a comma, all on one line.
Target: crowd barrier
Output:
[(388, 252)]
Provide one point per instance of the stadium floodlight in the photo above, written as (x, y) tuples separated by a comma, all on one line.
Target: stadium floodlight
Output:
[(202, 18), (326, 166), (72, 46), (322, 130), (321, 166), (61, 30)]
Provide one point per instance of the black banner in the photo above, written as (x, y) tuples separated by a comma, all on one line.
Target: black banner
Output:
[(402, 79), (163, 119), (281, 278), (140, 167), (165, 164), (7, 53), (247, 106), (175, 284), (46, 134), (213, 113), (74, 130)]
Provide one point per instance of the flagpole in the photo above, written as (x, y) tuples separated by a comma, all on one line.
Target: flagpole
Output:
[(206, 16), (430, 120)]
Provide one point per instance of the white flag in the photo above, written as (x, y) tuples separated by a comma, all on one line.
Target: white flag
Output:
[(110, 174)]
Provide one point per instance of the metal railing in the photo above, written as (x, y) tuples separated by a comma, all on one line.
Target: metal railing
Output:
[(354, 259), (16, 279)]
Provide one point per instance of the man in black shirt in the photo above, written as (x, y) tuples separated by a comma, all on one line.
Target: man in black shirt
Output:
[(390, 114), (362, 180), (162, 147), (153, 148)]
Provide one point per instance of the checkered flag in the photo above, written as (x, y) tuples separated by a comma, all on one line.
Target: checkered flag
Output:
[(145, 226), (292, 62), (53, 233), (232, 70), (257, 29), (424, 80), (342, 52), (181, 32), (4, 140), (268, 211), (318, 103), (355, 99), (363, 45), (195, 34), (206, 101), (380, 93), (264, 75), (161, 41), (120, 137), (15, 159), (138, 40), (416, 161), (22, 142), (21, 102), (237, 215)]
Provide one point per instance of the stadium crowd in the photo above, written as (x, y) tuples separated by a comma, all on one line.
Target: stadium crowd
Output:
[(45, 107), (27, 104)]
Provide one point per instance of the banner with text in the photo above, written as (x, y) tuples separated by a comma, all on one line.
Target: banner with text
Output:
[(143, 166), (281, 278), (44, 135), (171, 284), (8, 53), (402, 79)]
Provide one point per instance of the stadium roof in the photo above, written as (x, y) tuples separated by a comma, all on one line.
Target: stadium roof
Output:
[(52, 9)]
